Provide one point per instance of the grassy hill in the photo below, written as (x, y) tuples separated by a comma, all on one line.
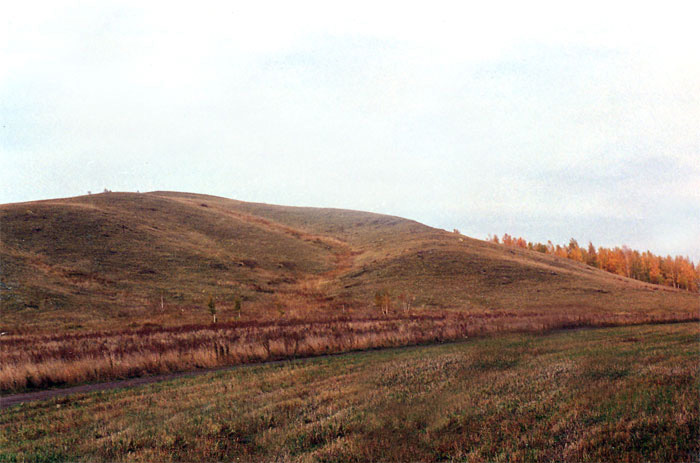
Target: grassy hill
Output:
[(128, 259), (112, 286)]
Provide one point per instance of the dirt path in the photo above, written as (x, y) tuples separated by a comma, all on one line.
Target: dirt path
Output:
[(309, 287), (14, 399), (25, 397)]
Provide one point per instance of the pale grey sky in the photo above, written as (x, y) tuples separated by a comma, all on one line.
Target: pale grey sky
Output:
[(533, 118)]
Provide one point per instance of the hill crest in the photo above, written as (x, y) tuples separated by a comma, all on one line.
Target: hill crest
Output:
[(116, 259)]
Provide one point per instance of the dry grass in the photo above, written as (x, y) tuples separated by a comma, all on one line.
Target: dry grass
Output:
[(614, 394), (41, 361), (115, 285), (106, 261)]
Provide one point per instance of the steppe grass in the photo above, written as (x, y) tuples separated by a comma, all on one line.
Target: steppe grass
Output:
[(43, 361), (126, 260), (612, 394)]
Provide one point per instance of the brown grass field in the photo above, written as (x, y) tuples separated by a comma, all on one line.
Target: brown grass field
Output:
[(125, 260), (37, 362), (547, 359), (610, 394), (116, 285)]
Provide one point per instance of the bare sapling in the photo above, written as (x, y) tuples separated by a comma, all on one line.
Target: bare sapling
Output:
[(212, 308), (237, 307), (382, 300)]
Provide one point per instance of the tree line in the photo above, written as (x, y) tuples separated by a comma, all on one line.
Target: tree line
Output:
[(678, 272)]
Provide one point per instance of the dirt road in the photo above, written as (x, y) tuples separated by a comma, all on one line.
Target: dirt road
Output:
[(14, 399)]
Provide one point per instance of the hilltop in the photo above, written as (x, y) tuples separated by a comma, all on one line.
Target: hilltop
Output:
[(127, 259)]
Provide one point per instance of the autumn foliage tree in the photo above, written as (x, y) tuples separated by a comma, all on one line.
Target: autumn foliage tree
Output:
[(678, 272)]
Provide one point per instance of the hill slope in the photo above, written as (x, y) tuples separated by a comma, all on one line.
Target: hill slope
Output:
[(121, 259)]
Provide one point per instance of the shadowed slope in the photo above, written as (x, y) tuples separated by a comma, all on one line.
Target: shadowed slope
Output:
[(103, 254)]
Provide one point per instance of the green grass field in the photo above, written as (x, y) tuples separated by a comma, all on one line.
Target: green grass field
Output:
[(613, 394)]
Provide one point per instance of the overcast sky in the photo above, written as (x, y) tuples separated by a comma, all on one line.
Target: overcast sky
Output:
[(532, 118)]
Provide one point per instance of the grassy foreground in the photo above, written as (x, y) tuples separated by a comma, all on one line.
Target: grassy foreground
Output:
[(614, 394)]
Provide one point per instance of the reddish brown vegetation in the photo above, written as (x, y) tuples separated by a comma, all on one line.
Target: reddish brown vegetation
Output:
[(677, 272), (40, 361), (81, 275)]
